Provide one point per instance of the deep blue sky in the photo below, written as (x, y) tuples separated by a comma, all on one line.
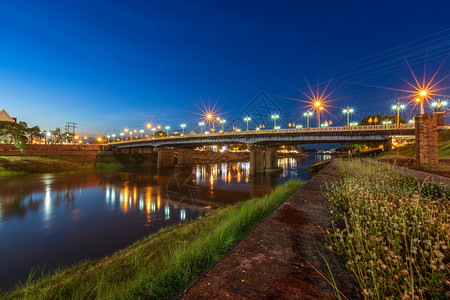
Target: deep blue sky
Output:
[(113, 64)]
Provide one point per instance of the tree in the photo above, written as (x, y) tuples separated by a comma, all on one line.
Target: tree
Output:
[(56, 135), (15, 131), (34, 132), (380, 119)]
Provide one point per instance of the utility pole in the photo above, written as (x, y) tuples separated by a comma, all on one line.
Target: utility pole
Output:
[(70, 128)]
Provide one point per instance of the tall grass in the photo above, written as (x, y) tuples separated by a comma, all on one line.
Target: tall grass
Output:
[(395, 232), (160, 265)]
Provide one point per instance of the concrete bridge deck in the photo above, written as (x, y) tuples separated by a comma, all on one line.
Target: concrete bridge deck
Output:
[(374, 133)]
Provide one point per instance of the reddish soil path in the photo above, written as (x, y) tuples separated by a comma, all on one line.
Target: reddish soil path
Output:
[(282, 257)]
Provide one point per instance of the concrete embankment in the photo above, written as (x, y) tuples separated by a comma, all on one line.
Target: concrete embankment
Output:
[(285, 257)]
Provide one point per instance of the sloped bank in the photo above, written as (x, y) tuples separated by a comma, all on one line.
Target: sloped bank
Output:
[(160, 265)]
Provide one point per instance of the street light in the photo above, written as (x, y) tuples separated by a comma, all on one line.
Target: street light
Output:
[(108, 136), (142, 133), (318, 114), (167, 128), (308, 115), (398, 107), (183, 126), (439, 105), (153, 129), (246, 119), (122, 134), (423, 94), (275, 117), (113, 136), (222, 122), (348, 111), (201, 126), (149, 127)]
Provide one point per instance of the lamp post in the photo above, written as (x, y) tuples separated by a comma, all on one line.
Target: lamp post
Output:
[(131, 135), (420, 99), (167, 128), (113, 136), (149, 127), (153, 130), (275, 117), (308, 115), (439, 105), (183, 126), (201, 126), (108, 136), (318, 115), (398, 107), (122, 134), (348, 111), (222, 122), (246, 119)]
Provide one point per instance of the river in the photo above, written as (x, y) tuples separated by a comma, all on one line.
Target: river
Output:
[(58, 219)]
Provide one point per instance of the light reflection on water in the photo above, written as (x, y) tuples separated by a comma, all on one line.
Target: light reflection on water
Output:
[(67, 217)]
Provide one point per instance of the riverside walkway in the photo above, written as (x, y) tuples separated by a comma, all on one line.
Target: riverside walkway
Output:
[(420, 175), (284, 256)]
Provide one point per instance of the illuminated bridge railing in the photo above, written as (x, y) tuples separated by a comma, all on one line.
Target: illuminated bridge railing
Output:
[(342, 129)]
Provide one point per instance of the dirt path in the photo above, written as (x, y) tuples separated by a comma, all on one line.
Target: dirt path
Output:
[(423, 176), (282, 257)]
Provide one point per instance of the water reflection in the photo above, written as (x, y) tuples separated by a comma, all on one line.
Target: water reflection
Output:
[(67, 217)]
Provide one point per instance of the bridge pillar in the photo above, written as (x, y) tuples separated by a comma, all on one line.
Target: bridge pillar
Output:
[(185, 156), (272, 159), (427, 139), (165, 157), (256, 160), (387, 145)]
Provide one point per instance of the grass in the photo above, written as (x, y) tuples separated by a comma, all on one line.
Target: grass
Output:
[(409, 151), (161, 264), (315, 168), (395, 232), (12, 165)]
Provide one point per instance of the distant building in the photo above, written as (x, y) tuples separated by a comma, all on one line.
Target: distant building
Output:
[(5, 117)]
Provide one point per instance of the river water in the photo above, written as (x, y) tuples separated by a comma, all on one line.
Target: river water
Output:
[(58, 219)]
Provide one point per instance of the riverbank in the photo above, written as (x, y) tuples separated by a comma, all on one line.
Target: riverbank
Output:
[(13, 165), (286, 256), (21, 164), (393, 230), (158, 266)]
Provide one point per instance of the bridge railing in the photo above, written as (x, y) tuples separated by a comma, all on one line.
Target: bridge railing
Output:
[(286, 130)]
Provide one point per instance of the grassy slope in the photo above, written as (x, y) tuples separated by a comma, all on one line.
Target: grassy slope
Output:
[(10, 165), (160, 265), (409, 151)]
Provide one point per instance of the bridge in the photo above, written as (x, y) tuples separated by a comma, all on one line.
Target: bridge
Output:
[(263, 143)]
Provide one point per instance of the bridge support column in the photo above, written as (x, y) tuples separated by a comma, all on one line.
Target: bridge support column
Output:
[(387, 145), (256, 160), (165, 157), (185, 157), (427, 139), (272, 159)]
